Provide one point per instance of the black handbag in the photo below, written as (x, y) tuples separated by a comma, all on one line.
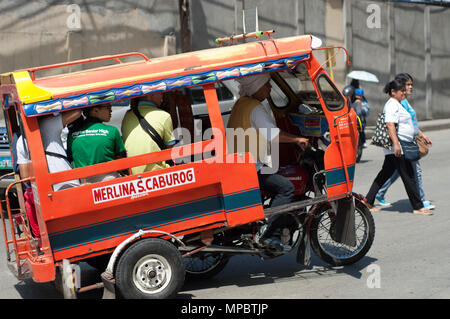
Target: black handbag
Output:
[(410, 150), (381, 136)]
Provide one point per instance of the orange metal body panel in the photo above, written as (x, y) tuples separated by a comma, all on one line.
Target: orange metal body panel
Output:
[(41, 269), (340, 155)]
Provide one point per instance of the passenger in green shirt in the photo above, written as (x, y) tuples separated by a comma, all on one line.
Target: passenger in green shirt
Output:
[(91, 141)]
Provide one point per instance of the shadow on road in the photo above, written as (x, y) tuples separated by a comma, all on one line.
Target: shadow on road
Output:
[(241, 271), (401, 206), (28, 289), (245, 271)]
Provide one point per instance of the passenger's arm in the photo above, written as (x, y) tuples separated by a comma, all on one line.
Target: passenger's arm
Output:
[(262, 121), (21, 157), (70, 116), (23, 171)]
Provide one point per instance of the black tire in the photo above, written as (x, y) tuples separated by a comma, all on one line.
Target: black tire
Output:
[(205, 265), (338, 254), (151, 268)]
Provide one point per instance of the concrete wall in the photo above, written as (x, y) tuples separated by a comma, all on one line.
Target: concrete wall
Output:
[(409, 38), (440, 62), (211, 19), (397, 42), (34, 33), (369, 49)]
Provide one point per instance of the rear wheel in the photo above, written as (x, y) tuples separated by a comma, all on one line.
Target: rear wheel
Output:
[(151, 268), (205, 265), (338, 254)]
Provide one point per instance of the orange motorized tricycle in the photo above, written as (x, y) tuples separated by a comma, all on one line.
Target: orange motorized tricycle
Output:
[(147, 231)]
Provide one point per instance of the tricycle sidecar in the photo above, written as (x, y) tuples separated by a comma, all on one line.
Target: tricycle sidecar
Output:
[(145, 224)]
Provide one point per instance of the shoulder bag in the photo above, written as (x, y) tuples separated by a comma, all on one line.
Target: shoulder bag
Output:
[(410, 150), (381, 136), (423, 146)]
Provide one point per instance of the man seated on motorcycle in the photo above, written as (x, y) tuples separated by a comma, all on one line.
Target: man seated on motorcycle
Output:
[(249, 112)]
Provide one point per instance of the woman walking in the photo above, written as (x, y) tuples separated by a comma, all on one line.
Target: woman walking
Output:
[(416, 164), (400, 127)]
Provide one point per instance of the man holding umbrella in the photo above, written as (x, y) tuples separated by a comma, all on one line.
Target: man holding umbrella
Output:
[(359, 101)]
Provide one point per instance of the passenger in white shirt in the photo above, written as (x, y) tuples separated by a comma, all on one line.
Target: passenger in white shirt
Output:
[(51, 127)]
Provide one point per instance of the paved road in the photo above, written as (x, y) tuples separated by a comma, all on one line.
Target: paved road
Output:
[(410, 253)]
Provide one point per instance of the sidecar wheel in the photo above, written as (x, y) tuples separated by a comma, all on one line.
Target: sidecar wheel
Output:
[(151, 268)]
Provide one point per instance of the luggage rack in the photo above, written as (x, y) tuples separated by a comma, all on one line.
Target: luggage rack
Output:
[(233, 38), (115, 57)]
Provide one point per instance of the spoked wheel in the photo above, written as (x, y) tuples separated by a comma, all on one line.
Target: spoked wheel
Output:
[(205, 265), (150, 269), (338, 254)]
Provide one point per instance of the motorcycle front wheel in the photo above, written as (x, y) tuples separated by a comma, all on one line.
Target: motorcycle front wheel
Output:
[(338, 254)]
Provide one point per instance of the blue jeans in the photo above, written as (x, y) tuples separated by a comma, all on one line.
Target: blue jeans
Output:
[(394, 177)]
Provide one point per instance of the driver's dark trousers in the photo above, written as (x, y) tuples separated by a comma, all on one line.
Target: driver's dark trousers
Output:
[(406, 172), (278, 185), (284, 194)]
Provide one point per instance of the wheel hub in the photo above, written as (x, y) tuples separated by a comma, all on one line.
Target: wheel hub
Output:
[(151, 274)]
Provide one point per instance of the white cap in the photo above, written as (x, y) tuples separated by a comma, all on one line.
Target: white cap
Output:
[(251, 84)]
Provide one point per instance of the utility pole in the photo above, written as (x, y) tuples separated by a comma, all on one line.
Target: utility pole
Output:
[(186, 44), (428, 82), (391, 35)]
